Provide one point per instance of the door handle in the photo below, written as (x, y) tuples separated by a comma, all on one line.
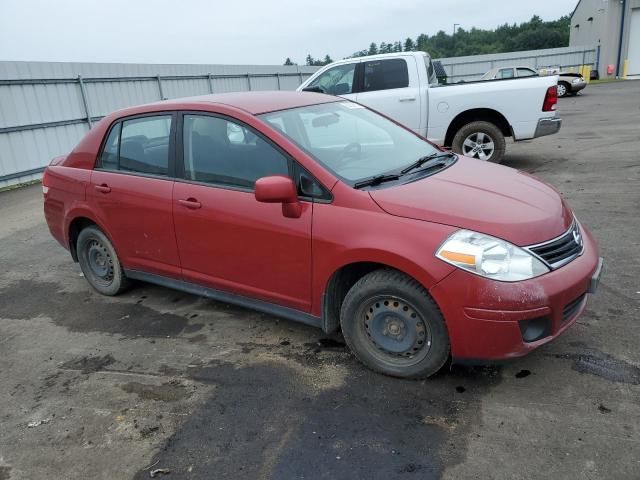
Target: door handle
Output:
[(104, 188), (407, 99), (191, 203)]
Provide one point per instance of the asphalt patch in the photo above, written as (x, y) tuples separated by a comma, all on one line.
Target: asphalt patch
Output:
[(5, 473), (264, 421), (167, 392), (594, 362), (87, 312)]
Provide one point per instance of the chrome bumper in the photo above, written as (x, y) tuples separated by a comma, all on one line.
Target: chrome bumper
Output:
[(547, 126)]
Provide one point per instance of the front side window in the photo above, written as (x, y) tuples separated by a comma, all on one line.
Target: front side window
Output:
[(349, 140), (385, 74), (506, 73), (337, 80), (219, 151)]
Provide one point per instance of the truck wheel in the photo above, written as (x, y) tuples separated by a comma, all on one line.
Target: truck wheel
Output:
[(563, 89), (99, 262), (481, 140), (393, 326)]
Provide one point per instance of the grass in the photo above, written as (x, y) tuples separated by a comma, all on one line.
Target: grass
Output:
[(19, 185)]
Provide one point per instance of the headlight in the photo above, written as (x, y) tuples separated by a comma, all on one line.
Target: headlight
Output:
[(490, 257), (577, 80)]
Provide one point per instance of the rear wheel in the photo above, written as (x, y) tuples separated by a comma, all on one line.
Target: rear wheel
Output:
[(563, 89), (393, 326), (481, 140), (99, 262)]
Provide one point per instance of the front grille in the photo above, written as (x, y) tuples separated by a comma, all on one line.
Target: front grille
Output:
[(561, 250), (572, 307)]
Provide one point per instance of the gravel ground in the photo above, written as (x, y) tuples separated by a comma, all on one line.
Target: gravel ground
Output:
[(113, 388)]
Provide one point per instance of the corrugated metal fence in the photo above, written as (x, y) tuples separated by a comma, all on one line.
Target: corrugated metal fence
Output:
[(473, 67), (46, 107)]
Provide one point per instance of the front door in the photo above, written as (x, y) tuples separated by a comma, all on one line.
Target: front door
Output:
[(131, 190), (391, 86), (228, 240)]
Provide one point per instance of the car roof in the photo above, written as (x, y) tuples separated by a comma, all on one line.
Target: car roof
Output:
[(254, 102)]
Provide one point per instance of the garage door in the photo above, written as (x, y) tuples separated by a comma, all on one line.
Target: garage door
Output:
[(634, 43)]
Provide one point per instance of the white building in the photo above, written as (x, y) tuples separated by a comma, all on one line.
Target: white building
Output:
[(614, 27)]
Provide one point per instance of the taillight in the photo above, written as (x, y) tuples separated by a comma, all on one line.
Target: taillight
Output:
[(550, 99), (45, 182)]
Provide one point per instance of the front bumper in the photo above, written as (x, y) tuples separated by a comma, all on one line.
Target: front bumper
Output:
[(547, 126), (488, 320)]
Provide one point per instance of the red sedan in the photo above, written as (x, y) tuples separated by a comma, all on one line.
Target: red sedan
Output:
[(317, 209)]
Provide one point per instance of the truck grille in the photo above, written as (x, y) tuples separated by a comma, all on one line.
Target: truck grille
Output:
[(561, 250)]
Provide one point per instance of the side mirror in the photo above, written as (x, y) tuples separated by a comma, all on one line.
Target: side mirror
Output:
[(279, 189)]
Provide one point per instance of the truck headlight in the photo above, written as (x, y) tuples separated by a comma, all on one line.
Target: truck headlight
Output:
[(577, 80), (490, 257)]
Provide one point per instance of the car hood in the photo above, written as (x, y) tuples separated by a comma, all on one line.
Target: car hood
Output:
[(484, 197)]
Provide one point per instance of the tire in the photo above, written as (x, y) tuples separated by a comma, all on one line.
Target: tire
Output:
[(564, 89), (481, 140), (99, 262), (393, 326)]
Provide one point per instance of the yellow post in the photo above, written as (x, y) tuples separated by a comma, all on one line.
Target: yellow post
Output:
[(586, 73), (625, 67)]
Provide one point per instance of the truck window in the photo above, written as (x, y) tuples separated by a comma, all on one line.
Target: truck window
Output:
[(431, 72), (385, 74), (505, 73), (526, 72), (337, 80)]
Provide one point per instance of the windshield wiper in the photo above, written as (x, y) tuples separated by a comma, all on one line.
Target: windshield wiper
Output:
[(376, 180), (422, 160)]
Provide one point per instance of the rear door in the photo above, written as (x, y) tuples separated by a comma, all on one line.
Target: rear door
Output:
[(227, 239), (392, 86), (131, 189)]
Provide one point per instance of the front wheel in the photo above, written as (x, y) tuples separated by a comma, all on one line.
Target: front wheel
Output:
[(481, 140), (392, 325), (99, 262)]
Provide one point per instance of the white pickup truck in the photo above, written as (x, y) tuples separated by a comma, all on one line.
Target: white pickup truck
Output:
[(471, 118)]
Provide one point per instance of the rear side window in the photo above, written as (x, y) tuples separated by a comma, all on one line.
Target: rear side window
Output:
[(139, 145), (506, 73), (526, 72), (222, 152), (385, 74), (109, 157)]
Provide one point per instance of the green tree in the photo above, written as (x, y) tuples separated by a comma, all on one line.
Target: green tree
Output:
[(409, 46), (288, 61), (373, 49)]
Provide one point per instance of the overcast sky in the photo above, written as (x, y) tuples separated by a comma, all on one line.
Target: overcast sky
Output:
[(237, 31)]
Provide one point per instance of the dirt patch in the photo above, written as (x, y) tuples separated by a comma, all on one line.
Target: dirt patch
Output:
[(89, 364), (5, 473), (167, 392)]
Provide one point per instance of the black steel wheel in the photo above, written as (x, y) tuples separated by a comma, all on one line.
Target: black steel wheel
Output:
[(99, 262), (393, 326)]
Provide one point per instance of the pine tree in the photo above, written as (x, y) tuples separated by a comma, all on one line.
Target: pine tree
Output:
[(310, 61), (373, 49), (288, 61), (409, 46)]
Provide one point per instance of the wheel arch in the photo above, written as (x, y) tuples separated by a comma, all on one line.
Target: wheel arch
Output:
[(474, 115), (347, 274)]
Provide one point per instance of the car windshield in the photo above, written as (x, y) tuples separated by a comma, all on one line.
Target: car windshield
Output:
[(351, 141)]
